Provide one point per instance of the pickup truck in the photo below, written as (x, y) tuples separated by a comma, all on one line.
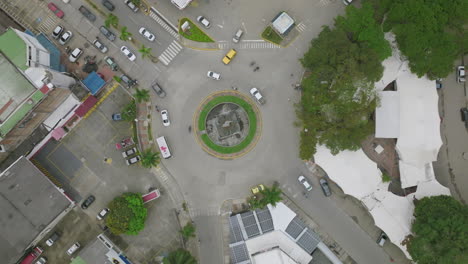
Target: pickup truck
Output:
[(90, 16)]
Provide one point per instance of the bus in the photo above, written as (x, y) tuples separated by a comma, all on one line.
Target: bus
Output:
[(163, 147)]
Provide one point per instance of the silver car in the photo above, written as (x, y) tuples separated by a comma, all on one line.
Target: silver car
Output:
[(65, 37), (101, 47), (204, 21), (305, 183), (237, 36)]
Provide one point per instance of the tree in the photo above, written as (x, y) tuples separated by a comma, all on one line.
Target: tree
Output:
[(188, 231), (149, 158), (129, 111), (440, 231), (145, 51), (124, 34), (180, 256), (141, 95), (267, 196), (430, 34), (127, 214), (111, 20), (136, 2)]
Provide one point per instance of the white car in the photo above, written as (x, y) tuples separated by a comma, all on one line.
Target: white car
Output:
[(133, 160), (347, 2), (213, 75), (73, 248), (102, 214), (204, 21), (165, 118), (65, 37), (57, 32), (129, 152), (304, 182), (461, 74), (257, 95), (128, 53), (237, 36), (101, 47), (42, 260), (76, 53), (148, 35)]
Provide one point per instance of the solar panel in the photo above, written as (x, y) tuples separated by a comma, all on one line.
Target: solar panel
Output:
[(235, 234), (250, 224), (239, 254), (309, 241), (295, 228), (265, 220)]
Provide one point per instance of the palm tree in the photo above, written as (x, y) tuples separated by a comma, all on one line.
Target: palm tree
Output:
[(124, 34), (180, 256), (141, 95), (145, 51), (188, 231), (112, 20), (149, 158), (271, 195)]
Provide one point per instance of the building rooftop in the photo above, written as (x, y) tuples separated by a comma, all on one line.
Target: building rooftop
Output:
[(14, 48), (29, 202)]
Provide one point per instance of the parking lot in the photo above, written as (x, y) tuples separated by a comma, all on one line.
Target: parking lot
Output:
[(77, 163)]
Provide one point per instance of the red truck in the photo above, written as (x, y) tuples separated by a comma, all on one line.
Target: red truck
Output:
[(31, 257)]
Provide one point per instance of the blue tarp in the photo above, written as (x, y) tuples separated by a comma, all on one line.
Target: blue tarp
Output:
[(53, 50), (94, 83)]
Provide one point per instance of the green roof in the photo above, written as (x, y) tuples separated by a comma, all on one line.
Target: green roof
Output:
[(78, 260), (20, 113), (14, 48)]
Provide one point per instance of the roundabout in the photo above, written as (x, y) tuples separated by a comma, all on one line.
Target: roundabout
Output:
[(227, 124)]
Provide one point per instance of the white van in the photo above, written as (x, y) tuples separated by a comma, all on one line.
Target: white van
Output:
[(73, 248), (163, 147)]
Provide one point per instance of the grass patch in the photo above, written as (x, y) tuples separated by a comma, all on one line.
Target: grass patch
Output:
[(134, 132), (385, 177), (194, 33), (271, 35), (150, 135), (250, 113)]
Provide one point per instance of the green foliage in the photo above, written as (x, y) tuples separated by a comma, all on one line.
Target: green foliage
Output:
[(117, 79), (267, 196), (431, 34), (180, 256), (145, 51), (440, 231), (188, 231), (141, 95), (136, 2), (386, 177), (149, 158), (127, 214), (270, 35), (124, 34), (129, 111), (111, 20), (194, 33)]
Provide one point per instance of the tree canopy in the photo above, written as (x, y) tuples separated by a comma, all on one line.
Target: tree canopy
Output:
[(180, 256), (267, 196), (440, 231), (149, 158), (127, 214), (338, 95), (430, 34)]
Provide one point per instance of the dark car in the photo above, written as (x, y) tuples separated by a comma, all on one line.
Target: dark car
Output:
[(111, 62), (107, 33), (464, 116), (117, 117), (88, 202), (85, 12), (159, 91), (128, 81), (108, 4), (325, 187)]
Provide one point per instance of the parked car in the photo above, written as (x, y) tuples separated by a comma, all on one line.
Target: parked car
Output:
[(57, 32), (59, 13), (229, 56), (325, 187), (128, 81), (133, 160), (439, 84), (75, 54), (213, 75), (65, 37), (41, 260), (461, 74), (464, 115), (148, 35), (129, 152), (86, 13), (256, 189), (73, 248), (88, 202), (257, 95), (165, 118), (157, 88), (107, 33), (52, 239), (305, 183), (128, 53), (238, 35), (111, 62), (102, 214), (204, 21), (108, 4), (101, 47), (347, 2), (131, 5), (382, 238), (117, 117)]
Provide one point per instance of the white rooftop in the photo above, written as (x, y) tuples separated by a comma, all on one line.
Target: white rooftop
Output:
[(281, 215), (387, 122), (283, 22)]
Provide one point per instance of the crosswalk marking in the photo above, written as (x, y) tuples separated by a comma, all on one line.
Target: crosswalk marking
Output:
[(300, 27), (209, 211), (170, 53), (47, 24), (247, 44), (324, 2), (164, 25)]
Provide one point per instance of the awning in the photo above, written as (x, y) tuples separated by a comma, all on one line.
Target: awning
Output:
[(58, 133), (86, 106), (94, 83)]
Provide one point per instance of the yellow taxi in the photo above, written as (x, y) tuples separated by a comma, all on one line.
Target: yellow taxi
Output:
[(257, 189), (229, 56)]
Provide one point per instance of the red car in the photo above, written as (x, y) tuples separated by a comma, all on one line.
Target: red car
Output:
[(59, 13)]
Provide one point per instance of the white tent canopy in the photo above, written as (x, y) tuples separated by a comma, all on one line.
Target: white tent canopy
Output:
[(387, 121)]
